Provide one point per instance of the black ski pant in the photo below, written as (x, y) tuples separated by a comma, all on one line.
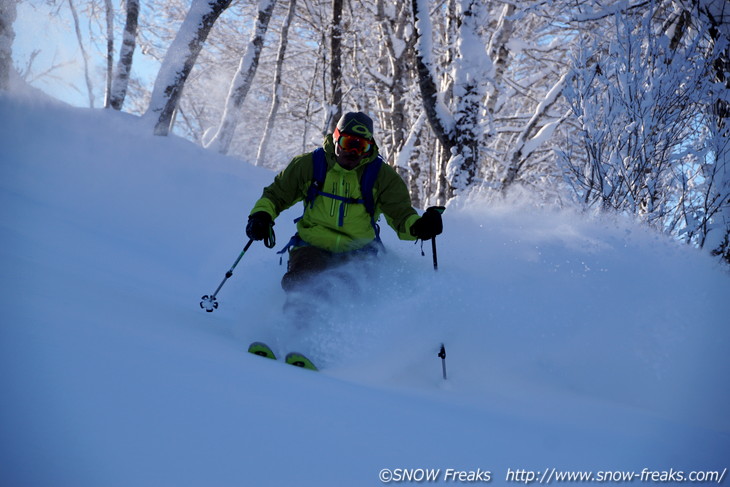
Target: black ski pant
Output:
[(308, 261)]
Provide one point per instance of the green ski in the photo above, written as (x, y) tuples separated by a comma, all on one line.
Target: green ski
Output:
[(262, 350), (299, 360), (295, 359)]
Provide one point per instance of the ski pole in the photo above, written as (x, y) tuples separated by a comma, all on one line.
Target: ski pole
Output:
[(442, 356), (435, 256), (209, 303)]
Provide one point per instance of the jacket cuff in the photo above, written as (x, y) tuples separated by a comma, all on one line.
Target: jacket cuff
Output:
[(265, 204), (406, 233)]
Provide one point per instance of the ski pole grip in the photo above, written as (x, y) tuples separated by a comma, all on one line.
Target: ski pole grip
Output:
[(442, 356)]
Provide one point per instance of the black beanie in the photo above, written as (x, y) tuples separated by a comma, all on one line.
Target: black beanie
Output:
[(356, 123)]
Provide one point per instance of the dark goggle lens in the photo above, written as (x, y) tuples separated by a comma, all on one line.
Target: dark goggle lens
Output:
[(352, 143)]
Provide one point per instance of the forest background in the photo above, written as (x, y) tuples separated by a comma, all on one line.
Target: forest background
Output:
[(616, 105)]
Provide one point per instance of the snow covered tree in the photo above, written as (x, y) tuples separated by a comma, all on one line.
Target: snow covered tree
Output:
[(648, 105), (713, 16), (472, 69), (276, 89), (179, 61), (633, 115), (492, 92), (84, 53), (335, 111), (393, 84), (439, 117), (120, 81), (109, 16), (243, 79), (8, 13)]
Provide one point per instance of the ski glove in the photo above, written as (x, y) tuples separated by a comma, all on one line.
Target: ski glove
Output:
[(261, 227), (429, 225)]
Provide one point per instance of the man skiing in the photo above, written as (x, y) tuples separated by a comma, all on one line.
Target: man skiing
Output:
[(336, 225), (345, 187)]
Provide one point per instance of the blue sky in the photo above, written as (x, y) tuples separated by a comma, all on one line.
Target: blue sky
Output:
[(50, 30), (38, 28)]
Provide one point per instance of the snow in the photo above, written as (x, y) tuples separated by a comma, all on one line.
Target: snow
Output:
[(573, 341)]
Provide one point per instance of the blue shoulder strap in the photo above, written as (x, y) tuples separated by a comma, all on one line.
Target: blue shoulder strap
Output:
[(367, 182), (319, 173)]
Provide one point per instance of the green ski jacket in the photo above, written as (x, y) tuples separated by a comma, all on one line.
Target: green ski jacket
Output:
[(320, 224)]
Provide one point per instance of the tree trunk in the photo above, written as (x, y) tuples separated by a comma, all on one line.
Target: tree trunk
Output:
[(109, 10), (336, 66), (719, 19), (439, 118), (84, 55), (407, 165), (8, 13), (126, 53), (311, 98), (426, 80), (276, 92), (529, 137), (243, 80), (498, 52), (472, 69), (179, 61), (396, 50), (460, 134)]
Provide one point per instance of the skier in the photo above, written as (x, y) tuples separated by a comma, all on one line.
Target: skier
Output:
[(345, 187), (336, 226)]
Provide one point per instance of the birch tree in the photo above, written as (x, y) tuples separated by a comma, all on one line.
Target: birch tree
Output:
[(84, 54), (394, 81), (8, 13), (639, 106), (120, 81), (276, 89), (179, 61), (472, 68), (714, 224), (335, 110), (243, 79), (460, 132), (532, 135), (439, 117), (109, 16)]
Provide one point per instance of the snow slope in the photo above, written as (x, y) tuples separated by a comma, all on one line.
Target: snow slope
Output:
[(574, 342)]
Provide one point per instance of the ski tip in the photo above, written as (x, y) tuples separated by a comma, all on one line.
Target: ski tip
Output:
[(262, 350), (299, 360)]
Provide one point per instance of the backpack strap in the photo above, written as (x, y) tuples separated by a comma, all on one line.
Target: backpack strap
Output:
[(319, 173), (367, 184)]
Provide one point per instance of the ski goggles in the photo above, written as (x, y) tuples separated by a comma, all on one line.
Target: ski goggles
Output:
[(352, 143)]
